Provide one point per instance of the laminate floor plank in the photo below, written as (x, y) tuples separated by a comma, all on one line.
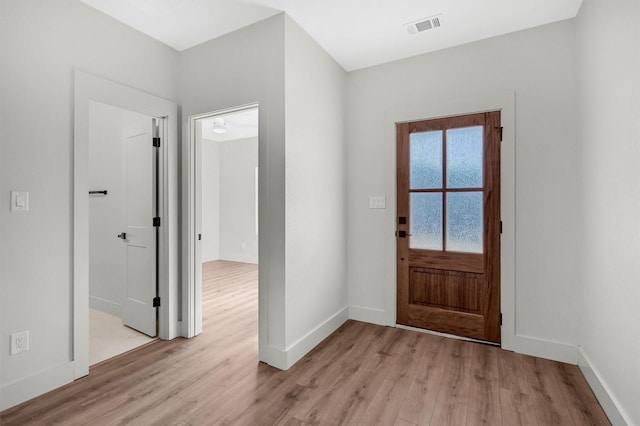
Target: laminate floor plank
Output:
[(248, 390), (420, 400), (336, 385), (387, 403), (328, 363), (352, 401), (272, 411), (452, 402), (516, 402), (549, 404), (369, 379), (401, 422), (363, 374), (579, 398), (484, 393)]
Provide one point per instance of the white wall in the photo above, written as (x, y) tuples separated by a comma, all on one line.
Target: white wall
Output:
[(228, 200), (304, 301), (40, 45), (107, 255), (238, 238), (210, 200), (609, 76), (316, 290), (252, 71), (539, 66)]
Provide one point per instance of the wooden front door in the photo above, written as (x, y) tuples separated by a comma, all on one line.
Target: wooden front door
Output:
[(448, 225)]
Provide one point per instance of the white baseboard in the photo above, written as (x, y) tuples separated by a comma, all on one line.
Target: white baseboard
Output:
[(546, 349), (302, 347), (285, 359), (373, 316), (106, 306), (617, 416), (240, 258), (274, 357), (26, 388)]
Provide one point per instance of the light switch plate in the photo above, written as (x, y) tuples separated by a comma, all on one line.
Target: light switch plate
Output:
[(377, 202), (19, 201)]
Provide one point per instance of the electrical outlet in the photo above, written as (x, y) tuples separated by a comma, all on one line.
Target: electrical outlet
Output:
[(19, 342)]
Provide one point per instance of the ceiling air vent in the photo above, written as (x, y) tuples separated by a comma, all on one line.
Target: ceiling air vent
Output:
[(423, 24)]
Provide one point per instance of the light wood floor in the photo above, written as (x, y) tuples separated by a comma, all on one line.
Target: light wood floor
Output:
[(363, 374)]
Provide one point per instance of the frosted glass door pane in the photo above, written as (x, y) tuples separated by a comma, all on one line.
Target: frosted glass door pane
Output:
[(426, 221), (425, 156), (464, 222), (464, 157)]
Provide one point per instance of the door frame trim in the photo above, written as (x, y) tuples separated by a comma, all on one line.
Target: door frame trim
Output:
[(192, 293), (92, 88), (505, 103)]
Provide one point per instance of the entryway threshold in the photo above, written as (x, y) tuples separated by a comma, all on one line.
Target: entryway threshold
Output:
[(449, 336)]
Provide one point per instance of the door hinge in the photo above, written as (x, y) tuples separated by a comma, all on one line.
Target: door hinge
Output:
[(500, 318), (501, 227), (199, 237), (156, 221), (500, 130), (156, 142), (156, 302)]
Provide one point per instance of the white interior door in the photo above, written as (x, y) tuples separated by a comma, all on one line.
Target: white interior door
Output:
[(140, 233)]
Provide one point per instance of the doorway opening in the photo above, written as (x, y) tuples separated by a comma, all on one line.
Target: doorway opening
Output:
[(223, 231), (123, 238), (88, 88), (448, 225)]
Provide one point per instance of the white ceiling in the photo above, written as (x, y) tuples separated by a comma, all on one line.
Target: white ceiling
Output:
[(356, 33), (239, 125)]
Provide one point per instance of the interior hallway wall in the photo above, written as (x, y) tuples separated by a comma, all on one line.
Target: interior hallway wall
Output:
[(302, 207), (316, 203), (539, 65), (253, 71), (609, 77), (41, 43)]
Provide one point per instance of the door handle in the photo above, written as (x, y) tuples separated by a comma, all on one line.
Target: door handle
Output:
[(123, 235), (402, 234)]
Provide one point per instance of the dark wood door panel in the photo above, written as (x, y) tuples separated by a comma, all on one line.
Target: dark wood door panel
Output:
[(464, 262), (446, 321), (447, 289)]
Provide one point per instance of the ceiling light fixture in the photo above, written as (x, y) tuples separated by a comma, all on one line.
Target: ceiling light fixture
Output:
[(219, 125)]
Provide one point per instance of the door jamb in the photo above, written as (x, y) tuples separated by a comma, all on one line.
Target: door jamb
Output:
[(192, 293), (446, 123), (505, 102)]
